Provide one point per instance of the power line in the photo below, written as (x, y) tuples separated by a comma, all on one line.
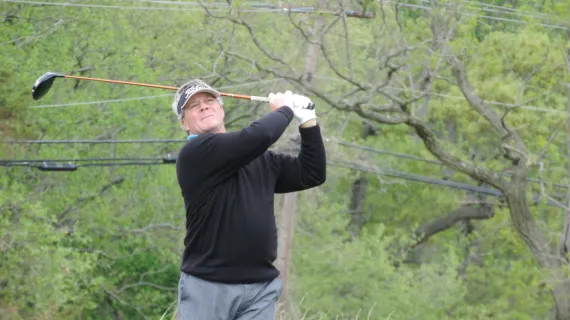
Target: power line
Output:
[(93, 141), (414, 158), (69, 165), (409, 5), (339, 142), (103, 6), (261, 8), (98, 102), (54, 166), (171, 159), (509, 105), (502, 10), (390, 153), (267, 10), (415, 177), (26, 162)]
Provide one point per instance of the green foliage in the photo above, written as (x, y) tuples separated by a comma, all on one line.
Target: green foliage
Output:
[(105, 242), (45, 273), (339, 278)]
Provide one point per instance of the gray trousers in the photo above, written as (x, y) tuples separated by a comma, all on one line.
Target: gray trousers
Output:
[(203, 300)]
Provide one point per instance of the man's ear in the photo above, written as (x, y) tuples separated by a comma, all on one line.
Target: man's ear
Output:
[(183, 124)]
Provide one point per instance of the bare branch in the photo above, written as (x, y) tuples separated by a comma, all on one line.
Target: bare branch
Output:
[(487, 112), (81, 200), (476, 102), (259, 45), (110, 293), (433, 145), (466, 212), (346, 43), (564, 243), (253, 110), (473, 98), (301, 30)]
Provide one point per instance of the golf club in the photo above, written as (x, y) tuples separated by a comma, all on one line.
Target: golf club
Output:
[(44, 83)]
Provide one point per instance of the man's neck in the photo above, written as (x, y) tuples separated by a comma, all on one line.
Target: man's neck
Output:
[(221, 129)]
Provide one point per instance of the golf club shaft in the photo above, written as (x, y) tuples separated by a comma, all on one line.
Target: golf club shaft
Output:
[(231, 95)]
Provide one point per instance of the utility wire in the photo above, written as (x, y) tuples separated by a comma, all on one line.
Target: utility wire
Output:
[(93, 141), (25, 162), (267, 10), (22, 162), (98, 102), (508, 105), (171, 159), (415, 177), (409, 5), (70, 166), (326, 78), (220, 8), (103, 6), (502, 10)]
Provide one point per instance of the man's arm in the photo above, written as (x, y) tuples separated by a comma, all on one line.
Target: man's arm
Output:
[(214, 157), (309, 168)]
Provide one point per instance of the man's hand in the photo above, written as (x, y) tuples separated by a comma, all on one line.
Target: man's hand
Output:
[(279, 100), (302, 111), (298, 103)]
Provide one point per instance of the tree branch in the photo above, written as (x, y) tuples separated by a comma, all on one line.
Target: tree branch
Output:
[(458, 70), (433, 145), (81, 200), (465, 212)]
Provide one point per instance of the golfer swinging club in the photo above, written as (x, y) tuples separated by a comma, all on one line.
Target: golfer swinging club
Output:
[(228, 181)]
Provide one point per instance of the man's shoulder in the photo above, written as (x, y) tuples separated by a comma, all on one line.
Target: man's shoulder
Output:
[(195, 142)]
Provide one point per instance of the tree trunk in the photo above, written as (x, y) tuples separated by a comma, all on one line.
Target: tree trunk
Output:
[(561, 290), (357, 199), (533, 237), (288, 208), (358, 192)]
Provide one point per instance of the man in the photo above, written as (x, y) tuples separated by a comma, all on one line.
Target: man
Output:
[(228, 182)]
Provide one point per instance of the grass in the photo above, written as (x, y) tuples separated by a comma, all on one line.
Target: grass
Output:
[(282, 314)]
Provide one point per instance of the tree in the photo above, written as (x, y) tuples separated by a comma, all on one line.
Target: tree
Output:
[(404, 68)]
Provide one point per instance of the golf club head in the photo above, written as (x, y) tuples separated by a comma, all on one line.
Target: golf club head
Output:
[(43, 84)]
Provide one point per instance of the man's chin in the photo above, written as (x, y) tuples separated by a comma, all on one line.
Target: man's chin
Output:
[(208, 126)]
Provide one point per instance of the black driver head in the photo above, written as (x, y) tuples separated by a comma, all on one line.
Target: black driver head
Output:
[(43, 84)]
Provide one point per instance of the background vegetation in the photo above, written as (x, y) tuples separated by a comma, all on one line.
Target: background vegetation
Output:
[(446, 194)]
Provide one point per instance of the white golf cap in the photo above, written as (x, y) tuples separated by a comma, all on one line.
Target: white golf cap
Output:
[(186, 92)]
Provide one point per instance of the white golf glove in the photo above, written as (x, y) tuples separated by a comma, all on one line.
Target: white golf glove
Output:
[(303, 107)]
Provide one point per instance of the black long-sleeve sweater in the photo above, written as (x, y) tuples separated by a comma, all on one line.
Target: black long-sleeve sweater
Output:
[(228, 182)]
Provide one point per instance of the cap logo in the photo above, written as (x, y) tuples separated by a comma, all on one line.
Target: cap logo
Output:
[(191, 90), (187, 94)]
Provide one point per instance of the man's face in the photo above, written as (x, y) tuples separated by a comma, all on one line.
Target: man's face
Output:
[(202, 114)]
